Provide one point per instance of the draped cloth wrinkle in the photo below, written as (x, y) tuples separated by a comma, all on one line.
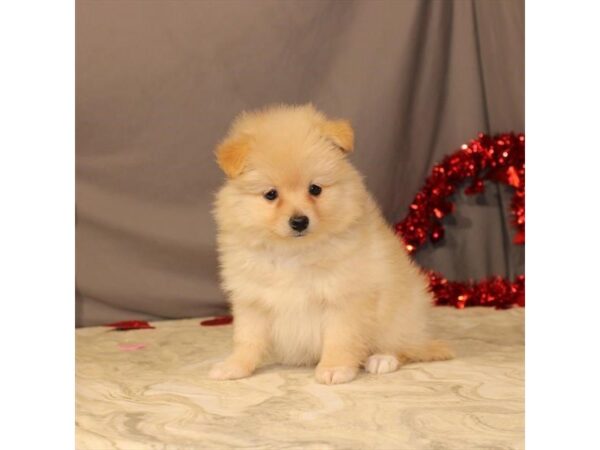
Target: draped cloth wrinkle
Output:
[(157, 84)]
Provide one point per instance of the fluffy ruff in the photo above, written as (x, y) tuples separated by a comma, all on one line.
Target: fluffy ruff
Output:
[(341, 293)]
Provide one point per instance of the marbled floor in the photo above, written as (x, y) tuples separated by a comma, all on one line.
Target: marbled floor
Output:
[(159, 397)]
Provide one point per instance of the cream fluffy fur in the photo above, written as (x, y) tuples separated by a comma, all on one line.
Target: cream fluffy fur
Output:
[(344, 293)]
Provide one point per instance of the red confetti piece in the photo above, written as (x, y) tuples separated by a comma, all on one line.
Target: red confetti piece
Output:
[(130, 325), (221, 320), (499, 159)]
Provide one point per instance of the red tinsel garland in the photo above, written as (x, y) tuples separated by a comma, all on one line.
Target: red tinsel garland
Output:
[(499, 159)]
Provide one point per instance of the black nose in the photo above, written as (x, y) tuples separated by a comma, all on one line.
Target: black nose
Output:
[(299, 223)]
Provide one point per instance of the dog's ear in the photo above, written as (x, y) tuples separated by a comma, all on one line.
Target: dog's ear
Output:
[(340, 132), (232, 154)]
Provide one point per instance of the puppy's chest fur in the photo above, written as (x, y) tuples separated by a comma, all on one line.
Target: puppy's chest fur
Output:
[(284, 280), (295, 291)]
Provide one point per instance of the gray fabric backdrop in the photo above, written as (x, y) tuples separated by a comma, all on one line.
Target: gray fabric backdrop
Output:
[(158, 83)]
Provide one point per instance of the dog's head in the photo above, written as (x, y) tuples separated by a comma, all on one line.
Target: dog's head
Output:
[(288, 176)]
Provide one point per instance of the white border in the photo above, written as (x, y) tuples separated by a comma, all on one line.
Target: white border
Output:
[(37, 232), (562, 269), (37, 225)]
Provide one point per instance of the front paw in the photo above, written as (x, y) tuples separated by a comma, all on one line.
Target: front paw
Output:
[(335, 375), (229, 370)]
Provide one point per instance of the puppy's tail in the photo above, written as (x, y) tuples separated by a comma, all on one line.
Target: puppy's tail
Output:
[(431, 351)]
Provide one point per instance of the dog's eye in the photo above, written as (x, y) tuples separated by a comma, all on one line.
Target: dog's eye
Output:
[(314, 189), (271, 195)]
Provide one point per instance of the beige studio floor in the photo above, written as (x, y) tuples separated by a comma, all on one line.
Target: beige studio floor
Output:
[(159, 397)]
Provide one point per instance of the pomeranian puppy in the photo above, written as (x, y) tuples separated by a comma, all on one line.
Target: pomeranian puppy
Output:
[(313, 272)]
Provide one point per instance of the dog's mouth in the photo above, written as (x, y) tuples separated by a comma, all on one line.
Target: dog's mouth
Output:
[(298, 234)]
